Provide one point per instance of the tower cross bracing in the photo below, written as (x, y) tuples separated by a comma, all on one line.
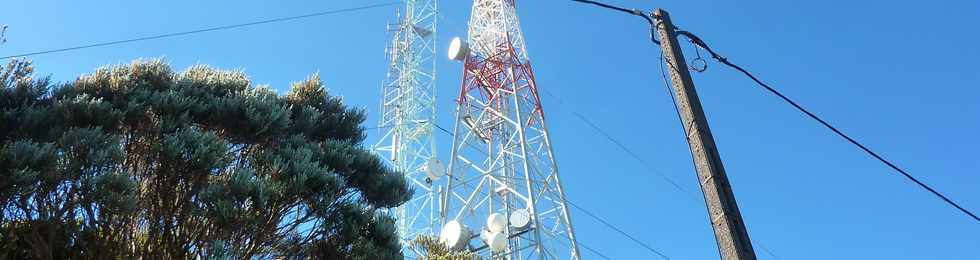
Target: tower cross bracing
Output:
[(502, 160), (408, 113)]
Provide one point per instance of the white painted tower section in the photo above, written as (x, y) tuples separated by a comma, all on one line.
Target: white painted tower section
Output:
[(408, 113), (503, 198)]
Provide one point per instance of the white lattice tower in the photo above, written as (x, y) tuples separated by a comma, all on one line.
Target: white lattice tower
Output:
[(408, 113), (502, 158)]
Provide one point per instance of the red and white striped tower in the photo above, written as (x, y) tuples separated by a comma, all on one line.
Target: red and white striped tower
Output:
[(503, 195)]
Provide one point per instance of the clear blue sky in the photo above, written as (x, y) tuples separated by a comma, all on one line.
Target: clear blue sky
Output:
[(899, 75)]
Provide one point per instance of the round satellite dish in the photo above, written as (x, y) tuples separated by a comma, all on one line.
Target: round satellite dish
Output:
[(520, 219), (434, 169), (497, 242), (458, 49), (454, 235), (496, 222)]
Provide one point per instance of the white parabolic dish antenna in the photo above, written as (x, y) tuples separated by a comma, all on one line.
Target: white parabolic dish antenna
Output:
[(458, 49), (434, 169), (496, 222), (520, 219), (497, 242), (454, 235)]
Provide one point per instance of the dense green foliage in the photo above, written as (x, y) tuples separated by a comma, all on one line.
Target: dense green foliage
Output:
[(139, 161), (431, 249)]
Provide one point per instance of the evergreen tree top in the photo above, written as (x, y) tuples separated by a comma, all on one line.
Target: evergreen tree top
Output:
[(138, 160)]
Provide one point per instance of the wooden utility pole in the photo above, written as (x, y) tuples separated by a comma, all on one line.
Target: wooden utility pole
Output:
[(733, 239)]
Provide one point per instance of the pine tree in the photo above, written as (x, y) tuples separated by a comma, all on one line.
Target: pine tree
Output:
[(432, 249), (139, 161)]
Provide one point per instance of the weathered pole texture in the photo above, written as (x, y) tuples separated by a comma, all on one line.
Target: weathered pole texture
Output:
[(733, 239)]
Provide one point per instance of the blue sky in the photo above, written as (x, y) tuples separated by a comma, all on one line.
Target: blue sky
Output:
[(898, 75)]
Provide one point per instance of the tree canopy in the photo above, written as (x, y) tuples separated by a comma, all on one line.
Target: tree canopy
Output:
[(140, 161), (431, 248)]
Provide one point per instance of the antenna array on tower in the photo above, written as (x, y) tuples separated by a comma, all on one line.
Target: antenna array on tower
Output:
[(503, 189), (408, 113)]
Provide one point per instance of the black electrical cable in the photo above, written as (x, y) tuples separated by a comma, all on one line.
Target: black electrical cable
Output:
[(593, 250), (596, 252), (621, 146), (628, 151), (697, 41), (663, 74), (636, 12), (631, 11), (394, 125), (594, 216), (620, 231), (225, 27)]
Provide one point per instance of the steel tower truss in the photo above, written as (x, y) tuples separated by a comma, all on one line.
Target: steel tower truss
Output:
[(408, 113), (502, 158)]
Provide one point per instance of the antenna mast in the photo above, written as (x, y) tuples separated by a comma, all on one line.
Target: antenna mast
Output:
[(408, 113), (503, 185)]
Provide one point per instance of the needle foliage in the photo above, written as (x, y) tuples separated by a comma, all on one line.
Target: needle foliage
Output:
[(431, 249), (141, 161)]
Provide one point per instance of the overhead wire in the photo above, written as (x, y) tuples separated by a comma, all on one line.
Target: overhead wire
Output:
[(580, 208), (620, 231), (578, 242), (700, 43), (281, 19), (669, 92), (393, 125), (225, 27), (621, 146), (663, 75), (635, 12), (596, 252), (609, 137), (592, 215), (217, 28), (628, 151)]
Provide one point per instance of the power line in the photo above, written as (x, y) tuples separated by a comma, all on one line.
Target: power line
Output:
[(594, 216), (578, 242), (596, 252), (225, 27), (443, 129), (663, 74), (669, 92), (623, 147), (604, 133), (391, 125), (587, 212), (620, 231), (697, 41), (636, 12), (402, 124), (627, 150)]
